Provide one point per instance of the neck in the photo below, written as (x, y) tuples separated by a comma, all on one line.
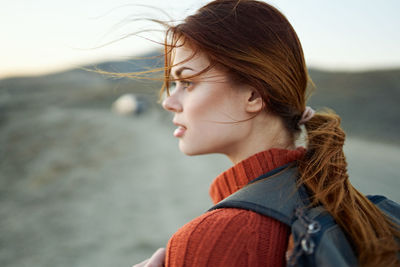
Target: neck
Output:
[(265, 132)]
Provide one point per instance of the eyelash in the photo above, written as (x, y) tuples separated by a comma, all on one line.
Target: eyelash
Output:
[(183, 82)]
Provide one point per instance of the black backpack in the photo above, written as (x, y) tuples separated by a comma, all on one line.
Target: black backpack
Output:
[(318, 240)]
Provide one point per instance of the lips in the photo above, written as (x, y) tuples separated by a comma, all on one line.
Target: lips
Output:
[(180, 131)]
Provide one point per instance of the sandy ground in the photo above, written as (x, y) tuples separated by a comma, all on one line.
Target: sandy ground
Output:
[(84, 187)]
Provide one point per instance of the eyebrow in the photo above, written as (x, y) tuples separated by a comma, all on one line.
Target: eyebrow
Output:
[(179, 71)]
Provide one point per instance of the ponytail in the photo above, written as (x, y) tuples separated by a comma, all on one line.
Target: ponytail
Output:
[(324, 172)]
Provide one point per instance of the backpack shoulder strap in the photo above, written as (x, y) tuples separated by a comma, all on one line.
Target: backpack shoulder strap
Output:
[(274, 194), (318, 240)]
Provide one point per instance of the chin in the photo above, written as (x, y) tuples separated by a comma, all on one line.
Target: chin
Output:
[(193, 151), (189, 152)]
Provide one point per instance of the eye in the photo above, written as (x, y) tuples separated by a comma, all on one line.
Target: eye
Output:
[(186, 84), (183, 85)]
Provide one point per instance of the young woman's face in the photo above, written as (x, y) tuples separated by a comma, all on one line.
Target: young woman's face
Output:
[(205, 107)]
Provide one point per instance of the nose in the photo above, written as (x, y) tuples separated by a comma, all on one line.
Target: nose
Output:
[(171, 103)]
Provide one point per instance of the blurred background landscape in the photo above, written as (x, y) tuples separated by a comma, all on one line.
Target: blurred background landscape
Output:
[(81, 185)]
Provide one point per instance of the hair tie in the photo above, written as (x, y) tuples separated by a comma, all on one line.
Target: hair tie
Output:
[(307, 115)]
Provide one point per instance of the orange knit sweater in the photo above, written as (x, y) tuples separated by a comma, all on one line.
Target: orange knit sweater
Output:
[(234, 237)]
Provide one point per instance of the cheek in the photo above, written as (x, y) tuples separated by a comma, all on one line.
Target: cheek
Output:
[(212, 121), (213, 130), (217, 106)]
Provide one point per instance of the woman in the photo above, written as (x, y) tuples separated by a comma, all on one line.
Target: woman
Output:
[(240, 82)]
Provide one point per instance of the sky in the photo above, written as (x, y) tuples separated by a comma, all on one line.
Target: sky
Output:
[(44, 36)]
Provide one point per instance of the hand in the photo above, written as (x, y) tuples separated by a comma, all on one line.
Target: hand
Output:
[(156, 260)]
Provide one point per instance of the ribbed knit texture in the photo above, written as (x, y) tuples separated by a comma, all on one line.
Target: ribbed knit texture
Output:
[(234, 237)]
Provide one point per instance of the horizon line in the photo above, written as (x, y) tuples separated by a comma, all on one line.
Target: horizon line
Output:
[(314, 67)]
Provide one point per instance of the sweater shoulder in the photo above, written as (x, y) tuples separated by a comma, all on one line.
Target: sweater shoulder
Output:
[(230, 219), (233, 236)]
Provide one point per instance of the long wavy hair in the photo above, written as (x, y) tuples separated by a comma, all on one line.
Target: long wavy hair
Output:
[(256, 45)]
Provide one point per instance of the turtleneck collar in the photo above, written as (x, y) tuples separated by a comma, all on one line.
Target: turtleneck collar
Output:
[(242, 173)]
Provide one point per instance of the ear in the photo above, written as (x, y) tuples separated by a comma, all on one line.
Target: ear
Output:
[(254, 102)]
